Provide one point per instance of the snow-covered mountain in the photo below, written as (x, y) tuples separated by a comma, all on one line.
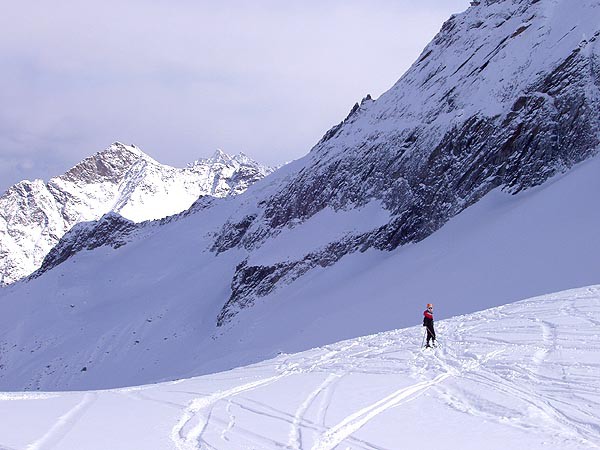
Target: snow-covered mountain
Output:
[(34, 215), (472, 180), (506, 95), (147, 310), (522, 375)]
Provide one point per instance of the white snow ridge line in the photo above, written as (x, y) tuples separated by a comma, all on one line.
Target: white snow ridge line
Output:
[(354, 422)]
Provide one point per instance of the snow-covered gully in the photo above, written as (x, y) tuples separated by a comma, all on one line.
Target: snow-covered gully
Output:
[(524, 374)]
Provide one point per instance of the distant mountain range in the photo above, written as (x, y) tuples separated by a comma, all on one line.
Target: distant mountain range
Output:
[(34, 215)]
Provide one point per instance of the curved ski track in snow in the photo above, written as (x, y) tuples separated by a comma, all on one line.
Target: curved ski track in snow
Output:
[(355, 421), (189, 439), (295, 441), (64, 424), (511, 360), (527, 372)]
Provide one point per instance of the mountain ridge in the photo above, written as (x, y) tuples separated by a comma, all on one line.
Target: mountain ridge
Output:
[(506, 95), (121, 179)]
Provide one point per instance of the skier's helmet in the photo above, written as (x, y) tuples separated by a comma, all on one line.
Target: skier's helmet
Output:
[(429, 305)]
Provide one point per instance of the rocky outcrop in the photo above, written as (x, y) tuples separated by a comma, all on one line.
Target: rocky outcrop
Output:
[(251, 282), (111, 229)]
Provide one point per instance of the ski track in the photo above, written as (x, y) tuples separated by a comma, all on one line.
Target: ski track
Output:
[(564, 427), (354, 422), (472, 351), (326, 400), (263, 410), (523, 374), (231, 423), (64, 424), (259, 409), (295, 441), (190, 440)]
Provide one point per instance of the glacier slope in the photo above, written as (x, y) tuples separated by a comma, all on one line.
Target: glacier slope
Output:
[(522, 375)]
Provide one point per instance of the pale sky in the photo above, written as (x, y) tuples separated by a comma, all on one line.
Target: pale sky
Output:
[(181, 78)]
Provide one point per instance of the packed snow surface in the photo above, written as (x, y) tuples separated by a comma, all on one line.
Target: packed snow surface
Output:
[(523, 375)]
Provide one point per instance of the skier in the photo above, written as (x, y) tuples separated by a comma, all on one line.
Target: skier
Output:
[(428, 324)]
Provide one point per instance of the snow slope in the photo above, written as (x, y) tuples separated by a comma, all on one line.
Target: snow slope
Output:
[(146, 311), (523, 375)]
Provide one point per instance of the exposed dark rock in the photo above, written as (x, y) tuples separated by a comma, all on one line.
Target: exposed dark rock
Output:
[(111, 229), (232, 234), (251, 282)]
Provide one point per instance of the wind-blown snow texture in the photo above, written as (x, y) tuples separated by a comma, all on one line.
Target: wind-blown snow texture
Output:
[(122, 179), (356, 236), (523, 375)]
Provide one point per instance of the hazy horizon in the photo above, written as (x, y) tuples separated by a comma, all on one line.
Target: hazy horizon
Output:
[(267, 79)]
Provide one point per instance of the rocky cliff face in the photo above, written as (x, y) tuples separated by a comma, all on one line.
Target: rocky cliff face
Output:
[(505, 96), (121, 179)]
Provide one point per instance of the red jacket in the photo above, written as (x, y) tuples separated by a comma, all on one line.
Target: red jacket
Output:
[(427, 319)]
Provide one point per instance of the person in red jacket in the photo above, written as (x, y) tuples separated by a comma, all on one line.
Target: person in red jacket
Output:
[(428, 323)]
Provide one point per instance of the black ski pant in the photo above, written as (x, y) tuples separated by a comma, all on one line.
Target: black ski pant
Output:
[(430, 333)]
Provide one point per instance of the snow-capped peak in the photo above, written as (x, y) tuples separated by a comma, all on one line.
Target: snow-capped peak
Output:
[(118, 148), (120, 178), (220, 157), (242, 158)]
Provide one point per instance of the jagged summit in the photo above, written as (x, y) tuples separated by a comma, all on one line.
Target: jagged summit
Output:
[(121, 178), (110, 164), (220, 157), (121, 147), (118, 148), (223, 158)]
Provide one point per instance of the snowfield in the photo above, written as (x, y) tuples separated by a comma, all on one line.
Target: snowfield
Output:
[(522, 375)]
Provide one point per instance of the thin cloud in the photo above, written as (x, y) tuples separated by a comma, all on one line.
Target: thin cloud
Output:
[(180, 79)]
